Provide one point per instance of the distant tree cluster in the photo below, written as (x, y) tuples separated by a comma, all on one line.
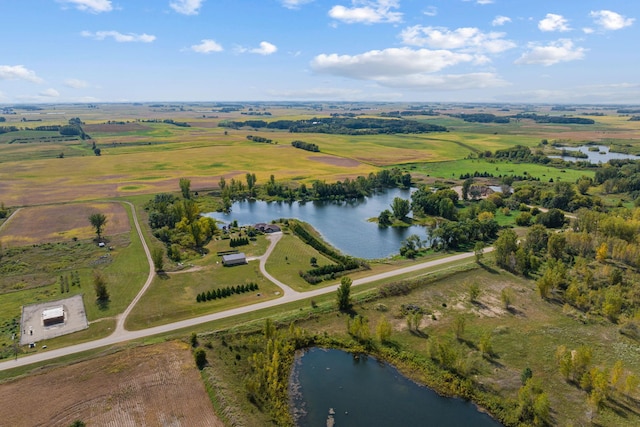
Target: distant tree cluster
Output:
[(555, 119), (481, 118), (340, 125), (309, 146), (226, 292), (341, 190), (405, 113), (256, 138), (7, 129)]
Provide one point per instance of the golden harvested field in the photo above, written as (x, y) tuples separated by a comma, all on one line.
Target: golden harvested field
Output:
[(44, 224), (157, 385)]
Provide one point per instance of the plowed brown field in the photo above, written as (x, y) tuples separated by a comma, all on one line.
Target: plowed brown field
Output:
[(42, 224), (156, 385)]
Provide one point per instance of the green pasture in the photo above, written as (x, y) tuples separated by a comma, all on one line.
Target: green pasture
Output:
[(172, 296), (454, 169), (290, 256)]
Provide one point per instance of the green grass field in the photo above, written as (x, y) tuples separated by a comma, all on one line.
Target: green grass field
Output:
[(454, 169)]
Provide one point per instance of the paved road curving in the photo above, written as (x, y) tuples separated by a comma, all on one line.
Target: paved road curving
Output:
[(290, 295)]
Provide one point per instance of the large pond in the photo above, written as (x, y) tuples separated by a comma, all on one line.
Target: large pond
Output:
[(366, 392), (602, 155), (342, 224)]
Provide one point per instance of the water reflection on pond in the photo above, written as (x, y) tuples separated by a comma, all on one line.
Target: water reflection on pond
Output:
[(342, 224), (365, 392), (595, 154)]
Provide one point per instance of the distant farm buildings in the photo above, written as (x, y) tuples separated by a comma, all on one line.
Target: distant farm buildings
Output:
[(234, 259)]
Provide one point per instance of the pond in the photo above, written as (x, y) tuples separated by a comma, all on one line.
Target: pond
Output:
[(343, 224), (602, 155), (366, 392)]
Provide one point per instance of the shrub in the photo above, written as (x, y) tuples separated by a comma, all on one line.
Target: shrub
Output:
[(200, 357)]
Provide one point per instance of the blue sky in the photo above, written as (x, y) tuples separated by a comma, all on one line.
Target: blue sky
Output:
[(543, 51)]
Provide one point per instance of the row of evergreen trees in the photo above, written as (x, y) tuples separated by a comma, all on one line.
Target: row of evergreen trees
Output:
[(238, 241), (226, 292)]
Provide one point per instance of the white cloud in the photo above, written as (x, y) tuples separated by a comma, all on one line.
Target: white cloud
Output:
[(500, 20), (468, 39), (119, 37), (484, 1), (50, 93), (207, 46), (93, 6), (187, 7), (394, 62), (76, 83), (561, 50), (294, 4), (431, 11), (553, 22), (588, 30), (265, 48), (608, 20), (370, 12), (18, 72)]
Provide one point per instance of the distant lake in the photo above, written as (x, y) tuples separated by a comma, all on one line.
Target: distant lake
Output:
[(367, 392), (342, 224), (603, 155)]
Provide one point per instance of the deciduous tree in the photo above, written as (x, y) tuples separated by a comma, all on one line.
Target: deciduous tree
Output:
[(185, 188), (157, 255), (98, 221), (344, 294), (100, 286)]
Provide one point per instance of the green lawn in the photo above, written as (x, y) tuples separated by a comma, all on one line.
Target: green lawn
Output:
[(291, 256), (454, 169), (172, 297)]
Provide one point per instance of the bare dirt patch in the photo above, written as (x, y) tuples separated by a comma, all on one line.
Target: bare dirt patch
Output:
[(114, 127), (45, 224), (336, 161), (156, 385)]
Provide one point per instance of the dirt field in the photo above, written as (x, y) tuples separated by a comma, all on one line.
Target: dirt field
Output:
[(43, 224), (336, 161), (156, 385)]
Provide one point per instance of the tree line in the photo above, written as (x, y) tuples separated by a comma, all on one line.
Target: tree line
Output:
[(340, 125), (309, 146), (226, 292)]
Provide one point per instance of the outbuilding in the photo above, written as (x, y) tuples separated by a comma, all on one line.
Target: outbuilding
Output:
[(234, 259), (53, 316)]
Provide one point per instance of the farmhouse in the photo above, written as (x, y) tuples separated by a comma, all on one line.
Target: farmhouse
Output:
[(266, 228), (53, 316), (234, 259)]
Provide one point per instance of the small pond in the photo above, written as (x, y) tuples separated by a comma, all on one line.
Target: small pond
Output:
[(365, 392), (602, 155), (343, 224)]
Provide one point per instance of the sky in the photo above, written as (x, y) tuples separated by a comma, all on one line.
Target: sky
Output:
[(512, 51)]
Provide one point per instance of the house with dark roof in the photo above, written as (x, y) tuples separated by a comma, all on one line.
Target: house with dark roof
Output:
[(267, 228)]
